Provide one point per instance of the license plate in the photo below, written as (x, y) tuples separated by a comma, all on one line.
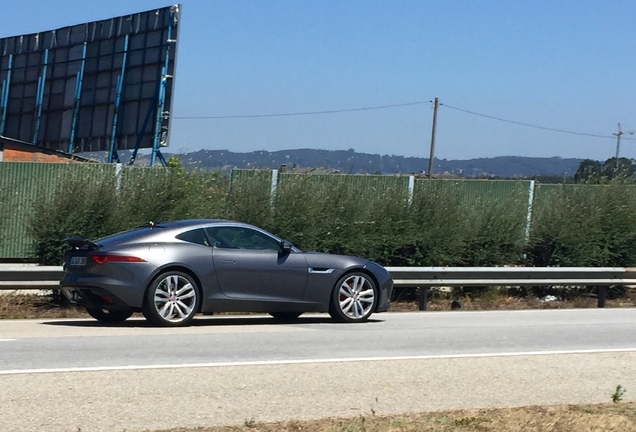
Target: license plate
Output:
[(77, 261)]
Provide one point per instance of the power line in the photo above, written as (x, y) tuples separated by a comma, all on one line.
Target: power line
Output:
[(379, 107), (527, 124), (301, 113)]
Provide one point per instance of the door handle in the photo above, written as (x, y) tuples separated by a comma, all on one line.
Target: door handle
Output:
[(231, 262)]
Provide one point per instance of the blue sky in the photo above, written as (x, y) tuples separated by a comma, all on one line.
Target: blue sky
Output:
[(556, 64)]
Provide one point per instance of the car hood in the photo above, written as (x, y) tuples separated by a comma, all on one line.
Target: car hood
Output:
[(326, 260)]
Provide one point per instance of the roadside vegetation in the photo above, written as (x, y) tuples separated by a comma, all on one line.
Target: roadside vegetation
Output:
[(52, 306), (443, 223), (560, 418)]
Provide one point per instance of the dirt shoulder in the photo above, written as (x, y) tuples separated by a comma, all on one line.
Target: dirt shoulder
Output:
[(45, 305), (561, 418)]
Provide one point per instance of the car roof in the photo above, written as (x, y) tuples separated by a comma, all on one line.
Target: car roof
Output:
[(189, 222), (158, 229)]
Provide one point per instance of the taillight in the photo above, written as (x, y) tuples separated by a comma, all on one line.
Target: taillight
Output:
[(102, 259)]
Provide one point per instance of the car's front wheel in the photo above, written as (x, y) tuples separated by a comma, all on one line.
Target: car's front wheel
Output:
[(109, 316), (171, 300), (353, 298)]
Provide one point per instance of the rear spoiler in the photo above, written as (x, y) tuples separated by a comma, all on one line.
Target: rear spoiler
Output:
[(80, 243)]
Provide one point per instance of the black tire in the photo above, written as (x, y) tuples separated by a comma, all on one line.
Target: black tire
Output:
[(172, 300), (285, 316), (109, 316), (363, 295)]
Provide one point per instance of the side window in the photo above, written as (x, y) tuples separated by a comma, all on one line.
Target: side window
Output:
[(196, 236), (241, 238)]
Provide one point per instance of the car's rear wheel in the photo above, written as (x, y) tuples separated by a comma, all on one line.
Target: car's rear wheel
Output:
[(285, 316), (172, 300), (109, 316), (354, 298)]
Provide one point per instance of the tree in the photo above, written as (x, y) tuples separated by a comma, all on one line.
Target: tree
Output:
[(174, 165), (589, 171), (623, 170), (595, 172)]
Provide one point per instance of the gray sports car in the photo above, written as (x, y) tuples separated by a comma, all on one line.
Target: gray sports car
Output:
[(171, 271)]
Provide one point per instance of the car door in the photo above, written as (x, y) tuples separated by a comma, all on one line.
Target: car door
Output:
[(250, 265)]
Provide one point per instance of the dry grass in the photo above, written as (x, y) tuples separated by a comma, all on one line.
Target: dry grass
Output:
[(33, 306), (561, 418), (500, 301)]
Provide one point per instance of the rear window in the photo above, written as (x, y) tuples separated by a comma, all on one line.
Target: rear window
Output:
[(196, 236)]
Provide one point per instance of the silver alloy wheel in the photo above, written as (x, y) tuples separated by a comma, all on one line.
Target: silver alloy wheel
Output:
[(356, 297), (175, 298)]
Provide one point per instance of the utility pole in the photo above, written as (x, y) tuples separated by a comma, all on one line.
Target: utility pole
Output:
[(432, 156), (618, 143)]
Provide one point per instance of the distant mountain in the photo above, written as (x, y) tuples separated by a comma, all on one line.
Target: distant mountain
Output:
[(349, 161), (355, 163)]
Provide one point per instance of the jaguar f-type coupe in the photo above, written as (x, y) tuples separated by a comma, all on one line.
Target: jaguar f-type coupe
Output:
[(172, 271)]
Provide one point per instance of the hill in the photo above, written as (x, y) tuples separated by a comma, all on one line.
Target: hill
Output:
[(350, 161)]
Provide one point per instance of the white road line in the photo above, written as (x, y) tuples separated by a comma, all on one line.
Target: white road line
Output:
[(309, 361), (7, 340)]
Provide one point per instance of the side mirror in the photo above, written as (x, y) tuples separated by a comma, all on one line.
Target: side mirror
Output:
[(285, 246)]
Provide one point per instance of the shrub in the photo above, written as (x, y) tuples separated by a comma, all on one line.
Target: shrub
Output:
[(77, 207), (104, 204), (249, 198), (585, 226), (157, 194)]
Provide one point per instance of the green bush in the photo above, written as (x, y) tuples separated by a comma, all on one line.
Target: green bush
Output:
[(577, 225), (341, 214), (105, 204), (249, 198), (159, 194), (497, 233), (445, 223), (4, 212), (77, 207)]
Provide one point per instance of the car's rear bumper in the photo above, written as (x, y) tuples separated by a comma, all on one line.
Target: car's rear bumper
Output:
[(103, 291), (96, 298)]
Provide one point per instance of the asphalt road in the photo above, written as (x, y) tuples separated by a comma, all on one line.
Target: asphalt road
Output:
[(70, 374)]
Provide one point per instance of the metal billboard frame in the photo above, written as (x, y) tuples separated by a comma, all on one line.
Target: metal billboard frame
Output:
[(99, 86)]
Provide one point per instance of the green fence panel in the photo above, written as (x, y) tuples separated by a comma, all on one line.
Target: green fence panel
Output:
[(364, 189), (21, 184), (478, 194)]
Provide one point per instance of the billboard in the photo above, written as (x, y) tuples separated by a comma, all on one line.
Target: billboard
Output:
[(99, 86)]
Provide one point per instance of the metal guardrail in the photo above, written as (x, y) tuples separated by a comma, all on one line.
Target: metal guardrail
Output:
[(31, 277), (425, 278), (510, 276)]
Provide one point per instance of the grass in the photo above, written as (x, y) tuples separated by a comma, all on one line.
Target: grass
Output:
[(37, 306), (560, 418), (514, 303)]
